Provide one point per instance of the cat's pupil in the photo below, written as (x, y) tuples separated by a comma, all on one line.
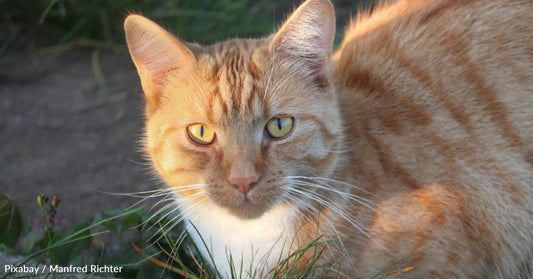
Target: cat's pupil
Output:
[(202, 131), (279, 123)]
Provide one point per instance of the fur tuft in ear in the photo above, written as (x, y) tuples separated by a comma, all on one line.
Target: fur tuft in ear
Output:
[(308, 35), (309, 31), (155, 52)]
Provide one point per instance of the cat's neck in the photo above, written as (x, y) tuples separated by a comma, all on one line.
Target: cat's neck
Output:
[(256, 244)]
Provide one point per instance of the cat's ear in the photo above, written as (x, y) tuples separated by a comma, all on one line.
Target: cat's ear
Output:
[(155, 52), (308, 32)]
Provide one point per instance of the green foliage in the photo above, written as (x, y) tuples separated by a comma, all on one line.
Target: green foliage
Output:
[(35, 24), (14, 223), (120, 225), (100, 22), (67, 252)]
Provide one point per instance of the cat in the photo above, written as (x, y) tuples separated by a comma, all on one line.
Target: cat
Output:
[(412, 142)]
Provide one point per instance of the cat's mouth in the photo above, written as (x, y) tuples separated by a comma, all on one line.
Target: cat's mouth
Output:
[(250, 205), (248, 208)]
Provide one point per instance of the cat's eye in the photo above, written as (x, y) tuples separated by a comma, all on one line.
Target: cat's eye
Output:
[(201, 134), (279, 127)]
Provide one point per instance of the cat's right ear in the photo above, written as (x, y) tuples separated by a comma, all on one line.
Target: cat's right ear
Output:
[(308, 34), (155, 53), (309, 31)]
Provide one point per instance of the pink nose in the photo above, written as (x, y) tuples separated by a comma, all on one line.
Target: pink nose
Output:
[(243, 184), (242, 176)]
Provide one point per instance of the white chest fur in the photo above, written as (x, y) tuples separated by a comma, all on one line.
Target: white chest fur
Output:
[(256, 245)]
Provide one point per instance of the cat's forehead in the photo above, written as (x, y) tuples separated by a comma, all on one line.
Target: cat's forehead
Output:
[(237, 47), (234, 71)]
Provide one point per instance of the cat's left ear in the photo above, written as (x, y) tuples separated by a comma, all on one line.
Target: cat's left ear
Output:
[(309, 32)]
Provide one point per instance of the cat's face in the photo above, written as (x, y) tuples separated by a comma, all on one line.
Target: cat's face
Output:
[(239, 117)]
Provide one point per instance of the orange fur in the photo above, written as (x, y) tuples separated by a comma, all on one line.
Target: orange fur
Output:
[(412, 142)]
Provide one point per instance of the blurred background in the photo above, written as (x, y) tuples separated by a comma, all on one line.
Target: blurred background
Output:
[(70, 100)]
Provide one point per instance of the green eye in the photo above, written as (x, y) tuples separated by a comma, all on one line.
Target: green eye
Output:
[(201, 134), (279, 127)]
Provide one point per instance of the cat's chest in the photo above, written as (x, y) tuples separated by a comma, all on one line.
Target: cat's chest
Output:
[(258, 243)]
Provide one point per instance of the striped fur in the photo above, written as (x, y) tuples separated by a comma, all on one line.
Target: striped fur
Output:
[(412, 142)]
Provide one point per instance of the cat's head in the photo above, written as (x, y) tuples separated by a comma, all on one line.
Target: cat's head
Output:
[(240, 116)]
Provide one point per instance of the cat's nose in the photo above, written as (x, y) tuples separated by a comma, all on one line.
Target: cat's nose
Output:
[(243, 184), (243, 176)]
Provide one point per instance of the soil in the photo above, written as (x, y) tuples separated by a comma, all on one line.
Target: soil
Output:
[(70, 122)]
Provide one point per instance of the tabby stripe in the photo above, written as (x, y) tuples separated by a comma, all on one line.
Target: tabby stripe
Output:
[(437, 90), (518, 72), (390, 122), (363, 79), (370, 175), (330, 135), (253, 69), (389, 165), (251, 97), (486, 94), (511, 186), (226, 109), (446, 149), (319, 162), (255, 73)]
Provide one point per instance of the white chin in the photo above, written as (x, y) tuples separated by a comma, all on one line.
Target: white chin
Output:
[(224, 232)]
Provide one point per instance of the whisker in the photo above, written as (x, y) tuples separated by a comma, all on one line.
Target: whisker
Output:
[(154, 193), (173, 199), (265, 94), (136, 194), (177, 206), (204, 96), (346, 150), (145, 164), (275, 90), (179, 217), (355, 223), (365, 202), (142, 200), (313, 178), (143, 223), (174, 207), (163, 192), (331, 228)]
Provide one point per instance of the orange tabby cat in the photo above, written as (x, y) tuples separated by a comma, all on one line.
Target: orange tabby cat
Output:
[(412, 142)]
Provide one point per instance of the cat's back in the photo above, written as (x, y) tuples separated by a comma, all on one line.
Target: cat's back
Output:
[(437, 99), (460, 71), (463, 55)]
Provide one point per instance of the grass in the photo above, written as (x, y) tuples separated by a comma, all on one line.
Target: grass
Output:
[(147, 249)]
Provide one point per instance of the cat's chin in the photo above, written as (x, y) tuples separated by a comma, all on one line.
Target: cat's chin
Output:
[(249, 210)]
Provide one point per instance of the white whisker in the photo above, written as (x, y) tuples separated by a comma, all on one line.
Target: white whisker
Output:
[(137, 194), (331, 228), (365, 202), (315, 178), (177, 206), (338, 211), (268, 81), (179, 217)]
